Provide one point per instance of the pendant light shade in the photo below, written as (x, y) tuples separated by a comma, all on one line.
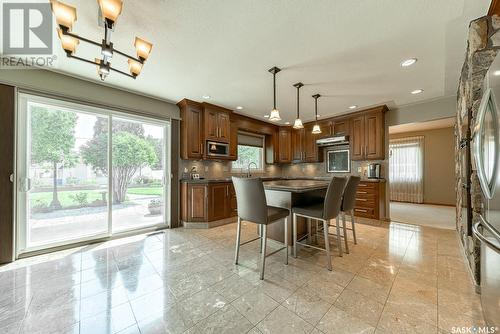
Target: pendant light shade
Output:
[(316, 129), (111, 9), (143, 48), (275, 114), (65, 14), (298, 122), (69, 43)]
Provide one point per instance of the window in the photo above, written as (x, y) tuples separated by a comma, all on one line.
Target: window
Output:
[(250, 151), (406, 169)]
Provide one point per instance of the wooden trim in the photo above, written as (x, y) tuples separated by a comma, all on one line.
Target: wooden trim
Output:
[(174, 170), (494, 8), (7, 117)]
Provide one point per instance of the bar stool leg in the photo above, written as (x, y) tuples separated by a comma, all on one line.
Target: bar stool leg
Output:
[(327, 246), (294, 218), (353, 228), (344, 226), (339, 241), (309, 230), (260, 234), (238, 236), (263, 255), (286, 240)]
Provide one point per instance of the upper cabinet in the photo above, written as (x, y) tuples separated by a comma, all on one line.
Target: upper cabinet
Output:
[(217, 123), (191, 129), (341, 127), (285, 144), (298, 145), (367, 135)]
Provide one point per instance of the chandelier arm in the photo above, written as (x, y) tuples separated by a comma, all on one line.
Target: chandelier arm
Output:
[(121, 72), (129, 57), (83, 39), (81, 59)]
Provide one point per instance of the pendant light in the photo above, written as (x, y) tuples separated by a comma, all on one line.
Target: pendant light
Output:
[(298, 122), (274, 116), (316, 129)]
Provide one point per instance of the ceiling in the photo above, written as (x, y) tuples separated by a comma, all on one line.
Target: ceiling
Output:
[(423, 126), (347, 51)]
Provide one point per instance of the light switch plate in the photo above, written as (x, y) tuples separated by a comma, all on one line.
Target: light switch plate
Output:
[(360, 169), (206, 168)]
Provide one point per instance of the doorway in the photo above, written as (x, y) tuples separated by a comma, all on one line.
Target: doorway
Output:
[(85, 173), (421, 173)]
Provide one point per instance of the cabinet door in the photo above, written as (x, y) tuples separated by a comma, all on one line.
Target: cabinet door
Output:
[(357, 138), (341, 127), (191, 130), (217, 201), (326, 129), (197, 202), (224, 127), (310, 147), (374, 136), (233, 141), (211, 127), (298, 145), (232, 204), (285, 145)]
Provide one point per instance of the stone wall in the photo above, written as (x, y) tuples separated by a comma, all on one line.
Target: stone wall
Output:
[(482, 48)]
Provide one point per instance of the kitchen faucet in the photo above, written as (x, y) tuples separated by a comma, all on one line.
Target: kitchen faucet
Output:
[(248, 168)]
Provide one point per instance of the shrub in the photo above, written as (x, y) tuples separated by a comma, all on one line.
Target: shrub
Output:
[(80, 198)]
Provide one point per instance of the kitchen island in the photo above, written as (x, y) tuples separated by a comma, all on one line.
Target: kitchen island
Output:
[(289, 193)]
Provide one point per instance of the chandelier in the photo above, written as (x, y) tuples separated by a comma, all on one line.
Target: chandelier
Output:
[(110, 10)]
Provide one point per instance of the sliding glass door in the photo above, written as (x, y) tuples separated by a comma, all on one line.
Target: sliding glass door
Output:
[(84, 173)]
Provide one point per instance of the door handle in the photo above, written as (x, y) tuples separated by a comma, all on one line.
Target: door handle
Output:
[(25, 184), (482, 238)]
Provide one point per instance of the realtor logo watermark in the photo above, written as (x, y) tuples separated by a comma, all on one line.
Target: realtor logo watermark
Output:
[(474, 330), (27, 40)]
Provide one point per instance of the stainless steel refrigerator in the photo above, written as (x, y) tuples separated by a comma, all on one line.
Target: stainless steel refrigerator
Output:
[(486, 155)]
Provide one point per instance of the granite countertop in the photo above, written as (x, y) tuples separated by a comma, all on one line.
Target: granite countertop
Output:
[(296, 186), (228, 179)]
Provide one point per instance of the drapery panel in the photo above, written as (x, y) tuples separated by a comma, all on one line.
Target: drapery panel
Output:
[(406, 169)]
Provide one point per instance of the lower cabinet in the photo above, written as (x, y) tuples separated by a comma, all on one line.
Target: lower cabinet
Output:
[(207, 202), (370, 200)]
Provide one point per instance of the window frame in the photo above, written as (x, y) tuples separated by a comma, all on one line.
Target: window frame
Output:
[(243, 169)]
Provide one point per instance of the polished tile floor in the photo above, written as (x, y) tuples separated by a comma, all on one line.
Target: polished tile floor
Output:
[(398, 279)]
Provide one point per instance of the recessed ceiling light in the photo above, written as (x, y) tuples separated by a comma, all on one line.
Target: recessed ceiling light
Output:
[(408, 62), (287, 123), (266, 116), (496, 73), (353, 107), (239, 107), (206, 97), (417, 91)]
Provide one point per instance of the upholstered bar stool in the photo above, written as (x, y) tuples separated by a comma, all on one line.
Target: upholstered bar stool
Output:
[(347, 206), (323, 212), (252, 207)]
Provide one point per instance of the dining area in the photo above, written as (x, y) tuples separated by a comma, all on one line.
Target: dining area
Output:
[(297, 213)]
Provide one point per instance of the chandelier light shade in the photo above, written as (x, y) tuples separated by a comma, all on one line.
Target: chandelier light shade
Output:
[(110, 9), (316, 129), (65, 14), (135, 67), (143, 48), (68, 43), (298, 122), (274, 116)]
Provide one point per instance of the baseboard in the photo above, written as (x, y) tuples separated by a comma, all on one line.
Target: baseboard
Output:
[(206, 225)]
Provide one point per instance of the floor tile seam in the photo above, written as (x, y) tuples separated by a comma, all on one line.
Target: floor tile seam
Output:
[(387, 298), (314, 325), (24, 315)]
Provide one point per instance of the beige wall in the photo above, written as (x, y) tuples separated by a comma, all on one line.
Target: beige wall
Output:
[(439, 164), (421, 112)]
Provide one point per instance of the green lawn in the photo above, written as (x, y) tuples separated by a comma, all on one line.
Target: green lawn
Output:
[(66, 199)]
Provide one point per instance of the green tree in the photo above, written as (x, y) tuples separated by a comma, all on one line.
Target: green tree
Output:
[(52, 141), (130, 152)]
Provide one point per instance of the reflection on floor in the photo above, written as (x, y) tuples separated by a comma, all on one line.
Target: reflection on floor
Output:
[(439, 216), (398, 279)]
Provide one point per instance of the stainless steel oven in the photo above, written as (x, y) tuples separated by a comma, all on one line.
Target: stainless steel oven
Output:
[(215, 149), (338, 160)]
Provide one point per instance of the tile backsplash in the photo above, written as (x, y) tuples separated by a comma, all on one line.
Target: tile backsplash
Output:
[(222, 169)]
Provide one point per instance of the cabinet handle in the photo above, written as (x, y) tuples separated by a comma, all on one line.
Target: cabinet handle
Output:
[(361, 199), (360, 210), (362, 185), (362, 192)]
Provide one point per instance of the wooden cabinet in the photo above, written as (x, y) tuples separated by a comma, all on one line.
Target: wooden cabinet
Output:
[(207, 202), (367, 137), (217, 123), (285, 145), (341, 127), (310, 148), (233, 141), (217, 201), (297, 145), (191, 129), (370, 200)]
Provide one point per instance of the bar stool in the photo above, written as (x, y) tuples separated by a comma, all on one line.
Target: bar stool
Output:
[(323, 212), (252, 207), (347, 206)]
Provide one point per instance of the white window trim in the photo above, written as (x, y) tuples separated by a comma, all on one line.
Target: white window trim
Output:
[(262, 168)]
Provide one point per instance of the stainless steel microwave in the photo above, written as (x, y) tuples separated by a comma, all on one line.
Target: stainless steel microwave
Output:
[(217, 149), (338, 160)]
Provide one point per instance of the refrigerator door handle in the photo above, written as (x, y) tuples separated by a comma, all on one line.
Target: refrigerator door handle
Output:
[(482, 238)]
